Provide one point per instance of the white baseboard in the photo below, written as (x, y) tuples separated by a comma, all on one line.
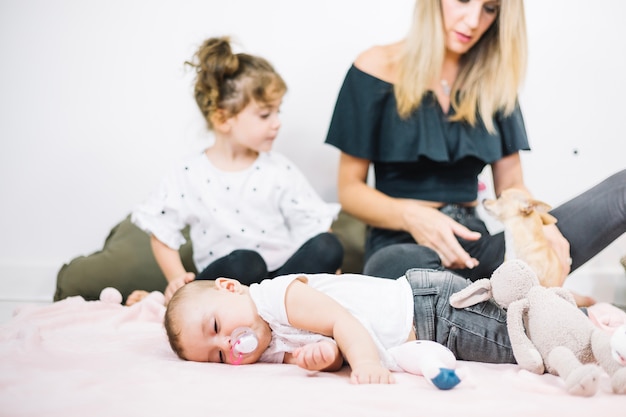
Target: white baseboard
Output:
[(30, 281)]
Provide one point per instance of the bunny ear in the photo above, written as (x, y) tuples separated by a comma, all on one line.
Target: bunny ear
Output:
[(475, 293)]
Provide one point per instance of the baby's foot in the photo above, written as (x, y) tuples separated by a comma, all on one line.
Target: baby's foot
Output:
[(136, 296), (317, 356)]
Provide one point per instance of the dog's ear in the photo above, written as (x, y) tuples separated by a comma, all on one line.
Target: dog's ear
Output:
[(547, 218), (541, 206), (526, 207), (543, 209)]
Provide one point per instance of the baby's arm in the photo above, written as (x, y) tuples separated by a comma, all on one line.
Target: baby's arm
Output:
[(312, 310), (319, 356)]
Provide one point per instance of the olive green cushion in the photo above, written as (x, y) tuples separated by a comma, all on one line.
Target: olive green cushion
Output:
[(351, 234), (126, 261)]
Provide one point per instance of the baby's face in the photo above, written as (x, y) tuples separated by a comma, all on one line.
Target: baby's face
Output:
[(209, 320)]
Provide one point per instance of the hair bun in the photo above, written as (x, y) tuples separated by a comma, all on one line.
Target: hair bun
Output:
[(216, 56)]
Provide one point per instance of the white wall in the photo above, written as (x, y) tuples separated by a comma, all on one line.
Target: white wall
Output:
[(95, 104)]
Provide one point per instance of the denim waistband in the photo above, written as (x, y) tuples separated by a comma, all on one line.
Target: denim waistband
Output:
[(425, 296), (457, 211)]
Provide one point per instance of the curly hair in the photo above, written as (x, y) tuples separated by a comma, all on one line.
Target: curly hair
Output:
[(226, 82)]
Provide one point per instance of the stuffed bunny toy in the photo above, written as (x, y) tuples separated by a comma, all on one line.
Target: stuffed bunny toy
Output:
[(618, 345), (547, 331)]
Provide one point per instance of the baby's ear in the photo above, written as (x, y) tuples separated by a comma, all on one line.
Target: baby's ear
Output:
[(228, 284), (475, 293)]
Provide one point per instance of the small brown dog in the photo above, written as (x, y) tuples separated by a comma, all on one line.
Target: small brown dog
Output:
[(523, 219)]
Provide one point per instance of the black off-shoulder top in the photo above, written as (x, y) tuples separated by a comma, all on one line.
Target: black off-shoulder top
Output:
[(425, 156)]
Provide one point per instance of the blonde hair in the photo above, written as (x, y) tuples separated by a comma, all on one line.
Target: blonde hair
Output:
[(173, 318), (226, 82), (490, 73)]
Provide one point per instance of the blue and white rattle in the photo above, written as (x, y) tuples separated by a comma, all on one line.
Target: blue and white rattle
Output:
[(430, 359)]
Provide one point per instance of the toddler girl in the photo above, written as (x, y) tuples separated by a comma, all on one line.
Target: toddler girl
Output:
[(252, 213)]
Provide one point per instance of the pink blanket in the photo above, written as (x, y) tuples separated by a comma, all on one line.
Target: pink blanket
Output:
[(79, 358)]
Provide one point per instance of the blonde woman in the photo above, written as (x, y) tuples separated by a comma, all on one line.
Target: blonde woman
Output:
[(429, 113)]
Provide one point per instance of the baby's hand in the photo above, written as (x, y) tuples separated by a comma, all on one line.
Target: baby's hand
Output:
[(136, 296), (316, 356), (371, 373)]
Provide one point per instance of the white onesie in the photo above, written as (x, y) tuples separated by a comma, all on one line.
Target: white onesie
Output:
[(383, 306)]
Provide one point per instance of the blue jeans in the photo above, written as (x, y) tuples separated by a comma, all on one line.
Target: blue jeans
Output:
[(476, 333), (589, 222)]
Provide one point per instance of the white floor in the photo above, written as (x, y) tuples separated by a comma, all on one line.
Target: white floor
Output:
[(8, 307)]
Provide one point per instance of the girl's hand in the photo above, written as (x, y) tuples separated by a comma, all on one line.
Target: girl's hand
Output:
[(319, 356), (429, 227), (177, 283), (561, 247), (371, 373)]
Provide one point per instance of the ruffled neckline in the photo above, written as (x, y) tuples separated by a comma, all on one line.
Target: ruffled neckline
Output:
[(366, 109)]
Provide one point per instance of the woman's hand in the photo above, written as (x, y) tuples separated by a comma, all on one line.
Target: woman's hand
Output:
[(429, 227), (177, 283), (561, 247)]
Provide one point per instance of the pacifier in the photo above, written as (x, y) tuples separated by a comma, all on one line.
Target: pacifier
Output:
[(242, 342)]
